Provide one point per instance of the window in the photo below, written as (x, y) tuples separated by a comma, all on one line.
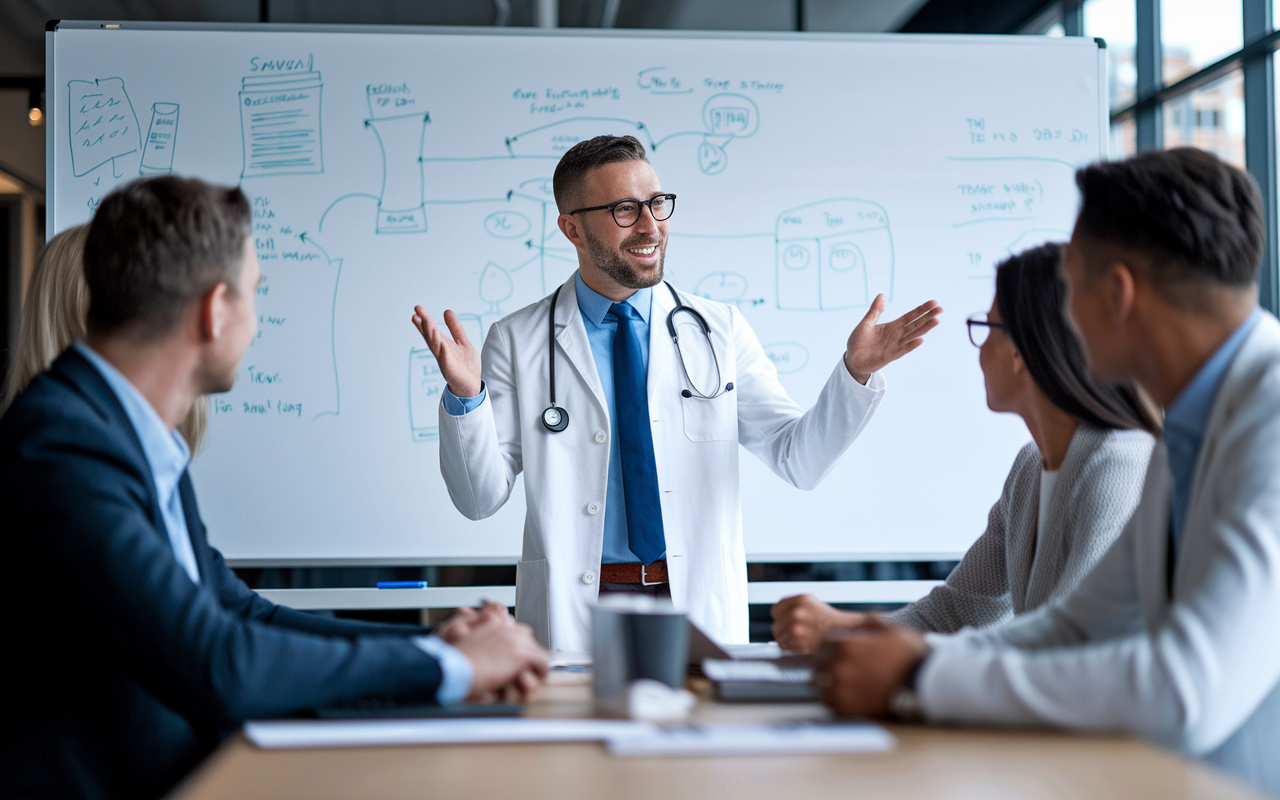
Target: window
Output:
[(1196, 33), (1210, 118), (1115, 21), (1124, 139)]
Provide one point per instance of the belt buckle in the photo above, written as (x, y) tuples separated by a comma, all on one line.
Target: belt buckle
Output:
[(643, 582)]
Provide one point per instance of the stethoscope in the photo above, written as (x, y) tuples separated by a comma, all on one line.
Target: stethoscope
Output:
[(556, 419)]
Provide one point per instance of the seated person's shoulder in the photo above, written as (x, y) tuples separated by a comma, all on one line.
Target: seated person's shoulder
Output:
[(53, 414)]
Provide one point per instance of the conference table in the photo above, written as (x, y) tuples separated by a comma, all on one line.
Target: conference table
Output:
[(928, 762)]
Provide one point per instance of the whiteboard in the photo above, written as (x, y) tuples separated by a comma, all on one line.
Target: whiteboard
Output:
[(388, 167)]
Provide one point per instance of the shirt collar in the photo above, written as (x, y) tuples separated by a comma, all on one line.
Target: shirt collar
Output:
[(595, 306), (1189, 413), (166, 452)]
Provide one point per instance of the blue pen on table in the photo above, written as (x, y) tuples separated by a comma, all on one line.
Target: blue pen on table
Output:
[(402, 584)]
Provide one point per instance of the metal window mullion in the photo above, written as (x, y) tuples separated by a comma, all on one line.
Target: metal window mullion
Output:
[(1260, 144), (1073, 17), (1148, 58)]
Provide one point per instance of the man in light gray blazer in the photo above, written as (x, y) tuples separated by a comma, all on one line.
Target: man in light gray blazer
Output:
[(1174, 635)]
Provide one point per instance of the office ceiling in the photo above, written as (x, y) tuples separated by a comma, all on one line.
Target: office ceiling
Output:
[(22, 22)]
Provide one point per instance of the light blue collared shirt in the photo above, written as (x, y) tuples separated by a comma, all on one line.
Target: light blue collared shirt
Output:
[(1187, 417), (601, 327), (167, 455)]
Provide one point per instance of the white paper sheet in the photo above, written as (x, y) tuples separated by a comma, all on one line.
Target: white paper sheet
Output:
[(755, 740), (273, 734)]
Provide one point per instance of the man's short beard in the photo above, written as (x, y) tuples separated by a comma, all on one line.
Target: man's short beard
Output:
[(613, 264)]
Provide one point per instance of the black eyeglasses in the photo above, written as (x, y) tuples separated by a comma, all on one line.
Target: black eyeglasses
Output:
[(627, 212), (980, 329)]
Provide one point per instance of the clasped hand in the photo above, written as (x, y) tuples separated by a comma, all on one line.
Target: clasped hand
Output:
[(859, 669), (507, 662)]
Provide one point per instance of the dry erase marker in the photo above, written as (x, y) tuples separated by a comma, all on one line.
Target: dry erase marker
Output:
[(402, 584)]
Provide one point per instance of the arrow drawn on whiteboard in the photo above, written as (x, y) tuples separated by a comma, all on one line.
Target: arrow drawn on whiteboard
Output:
[(333, 321)]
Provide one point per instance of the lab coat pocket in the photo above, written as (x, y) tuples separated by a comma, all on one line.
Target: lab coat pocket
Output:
[(532, 586), (713, 420)]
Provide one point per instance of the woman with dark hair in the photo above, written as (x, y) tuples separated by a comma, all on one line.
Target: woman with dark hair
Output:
[(1070, 492)]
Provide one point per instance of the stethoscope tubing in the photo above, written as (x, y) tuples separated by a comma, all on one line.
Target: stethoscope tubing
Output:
[(555, 419)]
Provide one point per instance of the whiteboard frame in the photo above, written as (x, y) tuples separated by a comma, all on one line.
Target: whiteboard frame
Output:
[(51, 155), (53, 26)]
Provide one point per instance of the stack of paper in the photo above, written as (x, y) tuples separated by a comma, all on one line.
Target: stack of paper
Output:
[(373, 733)]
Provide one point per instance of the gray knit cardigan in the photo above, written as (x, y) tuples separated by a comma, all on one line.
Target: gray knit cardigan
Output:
[(1012, 568)]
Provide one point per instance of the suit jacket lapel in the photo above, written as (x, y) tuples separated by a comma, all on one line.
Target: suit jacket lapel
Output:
[(571, 336), (195, 527)]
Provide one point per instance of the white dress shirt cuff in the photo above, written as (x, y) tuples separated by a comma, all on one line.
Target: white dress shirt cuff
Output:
[(456, 671)]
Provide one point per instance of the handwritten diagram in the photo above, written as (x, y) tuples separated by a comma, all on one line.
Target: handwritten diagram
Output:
[(102, 125), (833, 254), (400, 205), (725, 117), (162, 137), (280, 124)]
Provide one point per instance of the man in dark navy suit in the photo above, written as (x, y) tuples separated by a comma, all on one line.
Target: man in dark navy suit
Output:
[(132, 648)]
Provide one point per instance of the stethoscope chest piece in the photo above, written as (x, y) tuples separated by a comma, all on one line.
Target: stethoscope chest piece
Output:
[(555, 419)]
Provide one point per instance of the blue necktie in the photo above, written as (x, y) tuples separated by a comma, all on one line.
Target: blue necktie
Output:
[(635, 441)]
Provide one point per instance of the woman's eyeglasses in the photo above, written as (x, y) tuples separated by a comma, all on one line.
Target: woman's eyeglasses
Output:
[(980, 328)]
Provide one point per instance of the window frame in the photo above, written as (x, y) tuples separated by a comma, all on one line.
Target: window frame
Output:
[(1256, 60)]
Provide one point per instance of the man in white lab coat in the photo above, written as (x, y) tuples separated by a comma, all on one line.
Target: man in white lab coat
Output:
[(629, 444), (1173, 635)]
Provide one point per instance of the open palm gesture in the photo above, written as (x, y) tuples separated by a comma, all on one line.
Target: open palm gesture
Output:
[(872, 346), (458, 358)]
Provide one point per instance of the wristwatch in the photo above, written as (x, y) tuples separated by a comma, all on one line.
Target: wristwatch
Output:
[(904, 704)]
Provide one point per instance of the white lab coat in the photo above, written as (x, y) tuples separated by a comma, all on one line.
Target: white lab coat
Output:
[(1198, 672), (695, 446)]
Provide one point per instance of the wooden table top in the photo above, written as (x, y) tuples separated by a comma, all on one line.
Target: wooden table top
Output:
[(928, 762)]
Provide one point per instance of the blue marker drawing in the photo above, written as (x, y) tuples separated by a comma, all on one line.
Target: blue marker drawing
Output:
[(280, 124), (102, 125), (162, 136), (833, 254), (725, 117), (655, 80), (726, 287), (400, 206), (787, 357)]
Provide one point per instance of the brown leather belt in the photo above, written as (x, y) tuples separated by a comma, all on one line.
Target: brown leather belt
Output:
[(635, 573)]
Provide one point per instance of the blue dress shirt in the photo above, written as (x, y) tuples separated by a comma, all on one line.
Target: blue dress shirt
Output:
[(601, 327), (167, 455), (166, 452), (1187, 417)]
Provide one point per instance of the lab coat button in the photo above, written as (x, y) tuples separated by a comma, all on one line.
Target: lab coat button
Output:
[(593, 508), (588, 578), (601, 436)]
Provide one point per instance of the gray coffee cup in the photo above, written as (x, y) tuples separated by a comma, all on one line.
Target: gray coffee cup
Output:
[(633, 640)]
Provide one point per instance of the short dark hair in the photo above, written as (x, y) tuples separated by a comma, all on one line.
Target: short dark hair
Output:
[(158, 244), (1199, 219), (1031, 296), (586, 156)]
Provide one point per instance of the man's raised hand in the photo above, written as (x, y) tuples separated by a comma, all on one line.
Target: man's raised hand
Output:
[(872, 346), (458, 359)]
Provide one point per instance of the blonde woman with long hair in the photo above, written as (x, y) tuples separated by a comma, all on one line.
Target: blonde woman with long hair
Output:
[(53, 318)]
